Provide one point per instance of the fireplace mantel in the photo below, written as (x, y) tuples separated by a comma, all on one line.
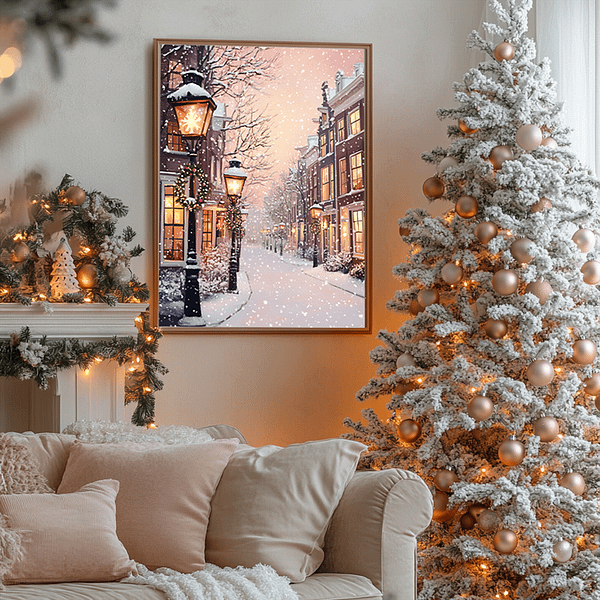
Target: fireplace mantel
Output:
[(96, 394)]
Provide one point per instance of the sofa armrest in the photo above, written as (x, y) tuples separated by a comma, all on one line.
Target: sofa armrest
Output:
[(373, 530)]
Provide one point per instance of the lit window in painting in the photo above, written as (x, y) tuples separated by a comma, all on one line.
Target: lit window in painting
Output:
[(358, 244), (174, 141), (173, 227), (355, 125), (323, 144), (207, 230), (343, 175), (356, 171), (330, 140), (341, 129), (327, 183)]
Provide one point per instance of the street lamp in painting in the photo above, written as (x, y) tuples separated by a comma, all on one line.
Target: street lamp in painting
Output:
[(315, 213), (281, 234), (194, 108), (234, 184)]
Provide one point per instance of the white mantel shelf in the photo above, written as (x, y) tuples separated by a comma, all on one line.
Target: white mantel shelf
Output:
[(70, 320)]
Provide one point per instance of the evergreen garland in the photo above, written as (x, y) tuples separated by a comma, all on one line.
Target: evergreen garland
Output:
[(233, 219), (202, 186)]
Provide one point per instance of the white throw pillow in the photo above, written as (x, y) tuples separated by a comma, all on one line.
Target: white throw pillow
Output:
[(273, 505)]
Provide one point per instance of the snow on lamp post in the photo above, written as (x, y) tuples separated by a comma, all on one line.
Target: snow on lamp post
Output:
[(315, 213), (193, 108), (234, 184)]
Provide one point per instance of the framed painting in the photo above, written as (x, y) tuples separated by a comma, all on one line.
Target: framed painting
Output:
[(262, 186)]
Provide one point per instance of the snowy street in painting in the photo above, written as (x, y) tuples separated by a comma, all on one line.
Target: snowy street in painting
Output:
[(285, 291)]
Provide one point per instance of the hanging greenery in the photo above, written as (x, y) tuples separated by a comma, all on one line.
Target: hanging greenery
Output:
[(233, 219), (202, 186)]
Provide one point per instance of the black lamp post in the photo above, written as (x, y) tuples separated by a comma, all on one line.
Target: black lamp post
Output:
[(315, 212), (234, 184), (281, 231), (194, 108)]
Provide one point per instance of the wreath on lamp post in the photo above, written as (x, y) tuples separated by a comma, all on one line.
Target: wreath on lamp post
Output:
[(202, 186)]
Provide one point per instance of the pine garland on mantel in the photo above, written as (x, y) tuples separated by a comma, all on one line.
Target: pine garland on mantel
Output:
[(89, 225)]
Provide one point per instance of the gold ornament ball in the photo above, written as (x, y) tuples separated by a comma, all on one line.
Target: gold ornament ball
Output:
[(20, 252), (563, 551), (447, 163), (434, 187), (591, 272), (480, 408), (495, 328), (546, 428), (499, 154), (592, 385), (409, 430), (466, 207), (465, 128), (574, 482), (414, 308), (541, 205), (488, 520), (467, 521), (504, 51), (540, 373), (505, 541), (427, 297), (444, 479), (505, 282), (87, 276), (475, 510), (584, 352), (441, 513), (405, 360), (540, 289), (452, 273), (549, 142), (529, 137), (75, 196), (585, 239), (511, 452), (597, 402), (486, 231), (403, 231), (521, 250)]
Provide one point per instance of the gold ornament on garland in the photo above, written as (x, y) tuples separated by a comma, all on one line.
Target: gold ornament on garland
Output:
[(465, 128), (505, 282), (585, 239), (87, 276), (591, 272), (74, 195), (529, 137), (499, 155), (549, 142), (546, 428), (495, 328), (488, 519), (584, 352), (20, 252), (540, 289), (452, 273), (426, 297), (409, 430), (563, 551), (480, 408), (521, 250), (541, 205), (591, 385), (444, 480), (441, 512), (202, 186), (405, 360), (540, 373)]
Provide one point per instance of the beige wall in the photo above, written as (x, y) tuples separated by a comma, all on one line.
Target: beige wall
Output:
[(95, 123)]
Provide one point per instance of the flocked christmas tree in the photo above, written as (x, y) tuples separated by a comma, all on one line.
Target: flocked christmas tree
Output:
[(494, 374), (64, 278)]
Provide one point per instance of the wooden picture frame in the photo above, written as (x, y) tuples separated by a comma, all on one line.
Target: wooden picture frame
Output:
[(291, 124)]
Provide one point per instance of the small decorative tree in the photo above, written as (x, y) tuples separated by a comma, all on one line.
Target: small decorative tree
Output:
[(64, 278)]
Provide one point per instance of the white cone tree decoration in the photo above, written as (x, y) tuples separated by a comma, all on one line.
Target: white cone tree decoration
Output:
[(63, 277), (500, 391)]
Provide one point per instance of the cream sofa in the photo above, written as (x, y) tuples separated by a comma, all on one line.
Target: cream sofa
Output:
[(370, 545)]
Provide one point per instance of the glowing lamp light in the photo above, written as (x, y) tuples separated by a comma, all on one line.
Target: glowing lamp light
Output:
[(234, 178), (315, 211), (193, 105)]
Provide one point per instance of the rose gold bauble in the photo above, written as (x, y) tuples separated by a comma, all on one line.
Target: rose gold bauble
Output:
[(465, 128), (87, 276), (504, 51), (540, 373), (414, 308), (444, 480), (591, 272), (467, 521), (495, 328), (20, 252), (486, 231), (540, 289), (476, 510), (488, 520), (466, 207), (434, 187), (405, 360), (505, 282), (546, 428), (511, 452), (541, 205), (447, 163), (574, 482), (563, 551), (592, 385), (427, 297), (584, 352), (529, 137), (549, 142), (403, 231), (480, 408), (499, 154), (505, 541), (452, 273), (409, 430), (521, 250), (585, 239), (597, 402), (75, 196), (441, 513)]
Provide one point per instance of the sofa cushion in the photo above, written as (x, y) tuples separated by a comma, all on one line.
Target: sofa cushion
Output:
[(69, 537), (273, 505), (334, 586), (164, 501)]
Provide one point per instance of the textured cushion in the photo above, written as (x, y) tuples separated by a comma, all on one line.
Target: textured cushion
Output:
[(164, 500), (70, 537), (273, 505)]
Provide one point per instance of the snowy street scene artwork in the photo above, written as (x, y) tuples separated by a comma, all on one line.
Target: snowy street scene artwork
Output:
[(262, 186)]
